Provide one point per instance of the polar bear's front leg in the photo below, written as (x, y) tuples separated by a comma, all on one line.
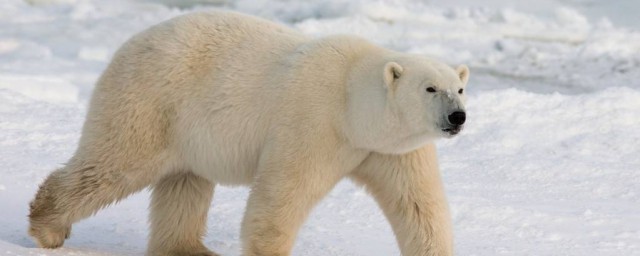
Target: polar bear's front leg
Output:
[(290, 181), (409, 191)]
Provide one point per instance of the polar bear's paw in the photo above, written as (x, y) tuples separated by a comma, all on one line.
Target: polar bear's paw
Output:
[(207, 253), (203, 251), (49, 237)]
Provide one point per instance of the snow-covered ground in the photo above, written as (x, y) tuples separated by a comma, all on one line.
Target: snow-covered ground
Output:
[(549, 163)]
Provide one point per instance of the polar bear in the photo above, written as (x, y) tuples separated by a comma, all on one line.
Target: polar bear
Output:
[(221, 98)]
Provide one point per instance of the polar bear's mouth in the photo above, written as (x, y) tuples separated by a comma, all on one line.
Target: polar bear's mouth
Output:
[(453, 130)]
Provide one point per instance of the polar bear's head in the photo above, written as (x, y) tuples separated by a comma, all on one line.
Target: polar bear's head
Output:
[(405, 102)]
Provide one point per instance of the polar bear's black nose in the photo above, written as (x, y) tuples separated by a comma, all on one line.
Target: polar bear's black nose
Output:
[(457, 118)]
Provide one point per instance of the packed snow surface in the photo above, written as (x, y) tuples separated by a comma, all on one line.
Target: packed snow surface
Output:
[(549, 163)]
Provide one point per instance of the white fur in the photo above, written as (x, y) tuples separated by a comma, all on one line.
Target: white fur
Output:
[(224, 98)]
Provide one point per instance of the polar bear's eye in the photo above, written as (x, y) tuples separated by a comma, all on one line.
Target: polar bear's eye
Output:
[(460, 91), (431, 89)]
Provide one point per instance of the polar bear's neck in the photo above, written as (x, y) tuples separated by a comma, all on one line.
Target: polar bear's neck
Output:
[(372, 120)]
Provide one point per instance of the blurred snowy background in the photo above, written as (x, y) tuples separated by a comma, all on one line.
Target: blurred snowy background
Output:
[(549, 163)]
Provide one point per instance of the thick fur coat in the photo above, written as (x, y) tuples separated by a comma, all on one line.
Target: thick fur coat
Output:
[(224, 98)]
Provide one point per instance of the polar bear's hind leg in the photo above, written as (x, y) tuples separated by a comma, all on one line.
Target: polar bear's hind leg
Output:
[(179, 206), (121, 151), (76, 192)]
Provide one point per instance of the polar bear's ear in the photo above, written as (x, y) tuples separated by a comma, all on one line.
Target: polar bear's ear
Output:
[(463, 73), (392, 71)]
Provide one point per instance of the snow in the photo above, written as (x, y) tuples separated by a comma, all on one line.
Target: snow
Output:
[(547, 165)]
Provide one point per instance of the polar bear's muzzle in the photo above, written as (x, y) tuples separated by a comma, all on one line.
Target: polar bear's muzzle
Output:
[(455, 122)]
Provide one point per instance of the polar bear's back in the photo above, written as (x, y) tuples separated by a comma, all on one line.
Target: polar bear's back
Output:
[(199, 43), (201, 80), (207, 54)]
